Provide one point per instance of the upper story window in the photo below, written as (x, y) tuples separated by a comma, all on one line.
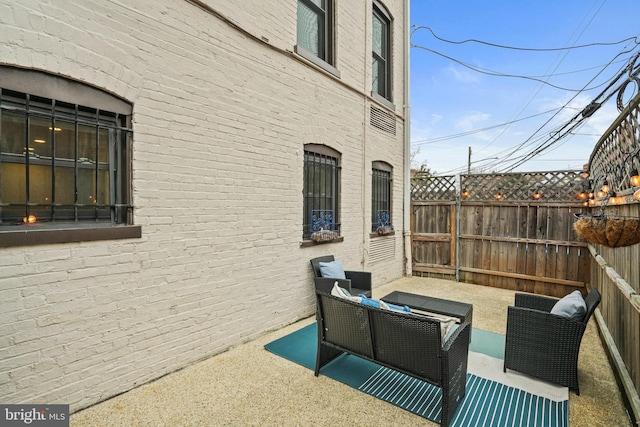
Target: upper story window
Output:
[(381, 198), (321, 192), (62, 163), (381, 68), (315, 33)]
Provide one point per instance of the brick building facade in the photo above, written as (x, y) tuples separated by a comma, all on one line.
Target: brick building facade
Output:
[(200, 237)]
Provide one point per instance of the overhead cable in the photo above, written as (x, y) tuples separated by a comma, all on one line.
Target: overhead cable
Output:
[(422, 27)]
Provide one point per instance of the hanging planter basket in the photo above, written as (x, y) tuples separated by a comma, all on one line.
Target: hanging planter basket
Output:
[(609, 231)]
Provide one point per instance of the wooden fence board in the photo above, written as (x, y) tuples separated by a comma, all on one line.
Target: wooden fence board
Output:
[(525, 247)]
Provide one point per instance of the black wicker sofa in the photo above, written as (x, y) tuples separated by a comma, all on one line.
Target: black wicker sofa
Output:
[(408, 343)]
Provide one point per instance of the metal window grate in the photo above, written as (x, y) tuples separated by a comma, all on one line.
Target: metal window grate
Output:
[(321, 193), (380, 199), (382, 120), (63, 162)]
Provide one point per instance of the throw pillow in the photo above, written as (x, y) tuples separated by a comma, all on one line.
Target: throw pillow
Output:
[(333, 269), (571, 306), (337, 291)]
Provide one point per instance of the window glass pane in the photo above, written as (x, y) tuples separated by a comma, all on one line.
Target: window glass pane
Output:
[(102, 192), (13, 134), (40, 184), (309, 25), (376, 81), (378, 27), (64, 166), (14, 189), (86, 165), (381, 72), (86, 144), (41, 140), (65, 141), (65, 187), (40, 161)]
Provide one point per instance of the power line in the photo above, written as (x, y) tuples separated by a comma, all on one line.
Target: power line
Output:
[(499, 74), (632, 69), (471, 132), (422, 27)]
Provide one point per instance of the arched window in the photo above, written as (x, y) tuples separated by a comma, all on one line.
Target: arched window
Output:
[(321, 189), (381, 180), (64, 153)]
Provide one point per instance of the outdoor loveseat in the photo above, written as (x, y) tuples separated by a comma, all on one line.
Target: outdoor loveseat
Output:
[(406, 342)]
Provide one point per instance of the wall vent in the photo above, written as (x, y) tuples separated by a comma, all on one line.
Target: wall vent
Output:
[(381, 248), (382, 120)]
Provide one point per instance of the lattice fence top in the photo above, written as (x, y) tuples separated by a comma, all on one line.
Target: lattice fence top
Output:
[(617, 153), (425, 187), (553, 186)]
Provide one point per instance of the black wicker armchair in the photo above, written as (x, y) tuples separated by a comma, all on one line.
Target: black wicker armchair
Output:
[(357, 282), (542, 344)]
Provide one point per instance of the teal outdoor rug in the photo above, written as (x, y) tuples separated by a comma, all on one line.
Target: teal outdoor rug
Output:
[(493, 398)]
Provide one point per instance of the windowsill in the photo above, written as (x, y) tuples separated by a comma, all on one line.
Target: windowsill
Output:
[(309, 243), (30, 235), (316, 61), (383, 101)]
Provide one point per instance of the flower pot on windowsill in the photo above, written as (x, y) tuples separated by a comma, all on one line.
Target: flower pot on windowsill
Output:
[(609, 231), (324, 236), (383, 230)]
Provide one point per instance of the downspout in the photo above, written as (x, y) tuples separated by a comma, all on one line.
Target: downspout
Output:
[(408, 264)]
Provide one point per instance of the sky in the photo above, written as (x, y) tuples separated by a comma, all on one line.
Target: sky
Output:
[(508, 121)]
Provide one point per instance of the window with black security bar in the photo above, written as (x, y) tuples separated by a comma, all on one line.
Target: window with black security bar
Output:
[(314, 30), (321, 191), (381, 52), (380, 198), (61, 162)]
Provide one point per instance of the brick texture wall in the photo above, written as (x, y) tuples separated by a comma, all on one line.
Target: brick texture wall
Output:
[(220, 120)]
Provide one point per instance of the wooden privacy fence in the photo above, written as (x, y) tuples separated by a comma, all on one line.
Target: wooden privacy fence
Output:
[(511, 231)]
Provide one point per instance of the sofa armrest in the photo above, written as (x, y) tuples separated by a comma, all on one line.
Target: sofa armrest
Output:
[(455, 358), (536, 302), (325, 284), (359, 279)]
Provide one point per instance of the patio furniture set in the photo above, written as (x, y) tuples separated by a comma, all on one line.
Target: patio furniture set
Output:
[(410, 333)]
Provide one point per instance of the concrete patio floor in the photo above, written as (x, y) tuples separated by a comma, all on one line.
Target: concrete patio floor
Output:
[(248, 386)]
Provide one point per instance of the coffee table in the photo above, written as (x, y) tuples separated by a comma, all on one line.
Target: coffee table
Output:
[(461, 310)]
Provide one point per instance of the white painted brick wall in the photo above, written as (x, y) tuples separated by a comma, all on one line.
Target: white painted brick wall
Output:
[(219, 127)]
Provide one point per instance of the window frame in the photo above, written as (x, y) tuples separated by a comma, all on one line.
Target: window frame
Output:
[(381, 175), (62, 93), (323, 159), (326, 37), (384, 96)]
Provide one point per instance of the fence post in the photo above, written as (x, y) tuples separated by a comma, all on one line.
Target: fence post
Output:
[(457, 230)]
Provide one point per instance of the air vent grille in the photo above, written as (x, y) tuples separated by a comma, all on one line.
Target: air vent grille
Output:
[(382, 120), (382, 248)]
